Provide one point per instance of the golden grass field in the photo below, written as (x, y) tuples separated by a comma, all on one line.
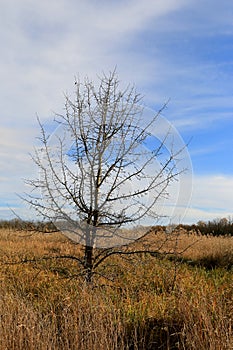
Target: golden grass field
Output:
[(178, 301)]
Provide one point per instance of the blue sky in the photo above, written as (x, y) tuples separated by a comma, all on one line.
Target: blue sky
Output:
[(172, 49)]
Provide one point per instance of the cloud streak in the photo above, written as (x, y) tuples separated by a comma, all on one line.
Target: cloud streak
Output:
[(211, 198), (169, 49)]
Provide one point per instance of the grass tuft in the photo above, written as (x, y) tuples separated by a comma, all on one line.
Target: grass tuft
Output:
[(149, 302)]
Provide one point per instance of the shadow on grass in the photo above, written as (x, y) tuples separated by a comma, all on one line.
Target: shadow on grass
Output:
[(151, 334), (209, 262)]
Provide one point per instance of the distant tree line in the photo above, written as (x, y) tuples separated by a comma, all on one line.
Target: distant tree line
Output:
[(216, 227), (18, 224)]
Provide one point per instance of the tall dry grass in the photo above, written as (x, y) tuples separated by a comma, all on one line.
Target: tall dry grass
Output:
[(147, 303)]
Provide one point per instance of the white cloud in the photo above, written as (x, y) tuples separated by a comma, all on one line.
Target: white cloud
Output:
[(212, 197), (15, 164), (45, 44), (133, 15), (193, 215)]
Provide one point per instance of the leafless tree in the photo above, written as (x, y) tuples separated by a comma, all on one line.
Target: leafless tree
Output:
[(97, 178)]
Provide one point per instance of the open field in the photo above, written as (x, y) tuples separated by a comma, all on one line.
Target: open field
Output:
[(182, 300)]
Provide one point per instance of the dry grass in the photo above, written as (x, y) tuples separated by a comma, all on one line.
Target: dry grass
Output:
[(152, 303)]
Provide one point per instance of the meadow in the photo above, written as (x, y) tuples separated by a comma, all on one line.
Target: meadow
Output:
[(180, 300)]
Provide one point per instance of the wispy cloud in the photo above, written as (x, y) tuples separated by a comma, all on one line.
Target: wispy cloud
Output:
[(46, 44), (211, 198), (169, 49)]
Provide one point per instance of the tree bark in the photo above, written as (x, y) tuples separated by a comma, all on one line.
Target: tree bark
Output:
[(88, 263)]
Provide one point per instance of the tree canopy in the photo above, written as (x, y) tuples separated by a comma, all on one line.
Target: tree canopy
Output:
[(102, 172)]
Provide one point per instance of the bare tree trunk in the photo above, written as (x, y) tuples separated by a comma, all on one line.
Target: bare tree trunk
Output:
[(88, 264)]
